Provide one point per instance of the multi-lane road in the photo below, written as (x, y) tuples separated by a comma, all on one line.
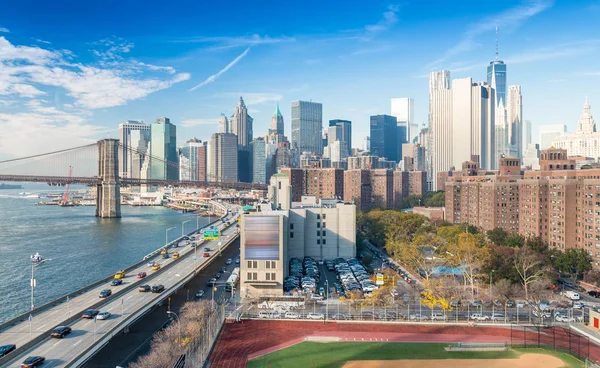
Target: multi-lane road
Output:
[(87, 332)]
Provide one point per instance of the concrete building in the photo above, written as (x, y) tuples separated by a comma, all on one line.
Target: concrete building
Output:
[(338, 151), (384, 137), (307, 125), (277, 125), (163, 150), (269, 239), (134, 138), (417, 182), (585, 141), (366, 145), (501, 145), (190, 153), (531, 157), (549, 132), (224, 126), (526, 134), (403, 109), (280, 192), (202, 161), (414, 157), (357, 188), (345, 132), (440, 122), (241, 124), (223, 157), (515, 121), (317, 182)]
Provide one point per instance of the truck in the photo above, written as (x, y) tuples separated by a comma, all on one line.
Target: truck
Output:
[(573, 295)]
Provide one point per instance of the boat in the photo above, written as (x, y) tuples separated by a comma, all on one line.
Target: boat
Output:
[(37, 259)]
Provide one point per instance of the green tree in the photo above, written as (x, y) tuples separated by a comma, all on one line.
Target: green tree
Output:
[(497, 236), (573, 261), (515, 240), (436, 200)]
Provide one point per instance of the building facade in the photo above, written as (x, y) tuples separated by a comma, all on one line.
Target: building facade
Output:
[(164, 158), (241, 124), (384, 137), (585, 141), (223, 157), (403, 109), (134, 137), (307, 125), (345, 133)]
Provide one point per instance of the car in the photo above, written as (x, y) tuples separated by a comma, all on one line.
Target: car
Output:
[(291, 315), (60, 332), (521, 304), (90, 313), (578, 305), (6, 349), (156, 267), (211, 282), (497, 317), (321, 262), (321, 290), (119, 275), (315, 316), (116, 282), (237, 261), (339, 317), (186, 238), (228, 261), (144, 288), (150, 263), (417, 317), (207, 249), (164, 251), (594, 294), (33, 361), (206, 255), (479, 317), (158, 288), (540, 314), (175, 255), (200, 294), (438, 317), (217, 276), (141, 275), (105, 293), (317, 297), (165, 256), (103, 315), (563, 318)]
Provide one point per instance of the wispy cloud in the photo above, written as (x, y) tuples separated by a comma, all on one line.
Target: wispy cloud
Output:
[(187, 123), (568, 49), (507, 20), (42, 41), (214, 77), (218, 43), (390, 17), (252, 98), (4, 30)]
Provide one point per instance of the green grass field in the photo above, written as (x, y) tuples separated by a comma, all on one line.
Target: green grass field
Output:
[(315, 354)]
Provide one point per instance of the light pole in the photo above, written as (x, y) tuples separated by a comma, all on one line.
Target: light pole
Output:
[(491, 274), (183, 223), (167, 235), (175, 314), (197, 222), (33, 283), (326, 300), (94, 328)]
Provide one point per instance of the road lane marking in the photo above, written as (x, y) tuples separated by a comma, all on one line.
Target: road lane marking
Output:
[(77, 343), (41, 326)]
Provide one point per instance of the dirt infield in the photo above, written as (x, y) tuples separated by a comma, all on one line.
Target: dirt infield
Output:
[(524, 361)]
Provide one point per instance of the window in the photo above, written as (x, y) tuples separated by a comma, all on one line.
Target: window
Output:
[(318, 224), (324, 233), (268, 276), (249, 275), (249, 264), (291, 226), (254, 275), (324, 216), (324, 241), (318, 217), (318, 233), (291, 235), (268, 264), (273, 264), (324, 225), (254, 264), (279, 185), (318, 241), (273, 278)]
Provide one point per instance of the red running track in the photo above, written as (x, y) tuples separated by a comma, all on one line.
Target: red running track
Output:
[(241, 341)]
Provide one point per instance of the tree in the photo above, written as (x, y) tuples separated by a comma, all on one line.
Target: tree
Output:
[(420, 258), (497, 236), (505, 290), (469, 257), (573, 261), (514, 240), (437, 200), (530, 267)]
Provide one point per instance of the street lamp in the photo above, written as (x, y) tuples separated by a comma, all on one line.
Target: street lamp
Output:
[(167, 235), (175, 314), (183, 223), (326, 300), (33, 284)]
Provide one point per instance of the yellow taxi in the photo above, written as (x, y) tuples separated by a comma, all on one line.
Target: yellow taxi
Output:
[(155, 267), (164, 251), (175, 255), (119, 275)]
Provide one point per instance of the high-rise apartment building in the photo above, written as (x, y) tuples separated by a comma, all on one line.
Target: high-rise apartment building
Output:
[(357, 188), (515, 121), (317, 182), (223, 156), (384, 137), (307, 126), (164, 163), (549, 132), (241, 124), (277, 125), (134, 137), (202, 161), (403, 109), (345, 132), (440, 123)]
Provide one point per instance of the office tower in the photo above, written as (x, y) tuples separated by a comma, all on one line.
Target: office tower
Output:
[(531, 156), (440, 123), (307, 125), (402, 108), (202, 162), (501, 136), (515, 121), (184, 164), (224, 126), (473, 128), (549, 132), (496, 77), (585, 141), (526, 133), (134, 137), (338, 151), (259, 161), (277, 122), (346, 132), (366, 145), (241, 124), (245, 164), (163, 150), (334, 133), (191, 151), (384, 136), (324, 143), (223, 157)]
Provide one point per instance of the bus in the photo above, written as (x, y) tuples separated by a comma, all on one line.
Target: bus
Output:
[(285, 301), (233, 280)]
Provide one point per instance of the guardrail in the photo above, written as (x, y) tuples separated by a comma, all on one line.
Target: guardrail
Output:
[(92, 350), (25, 316)]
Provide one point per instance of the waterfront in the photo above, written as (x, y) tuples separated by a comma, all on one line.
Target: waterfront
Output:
[(81, 247)]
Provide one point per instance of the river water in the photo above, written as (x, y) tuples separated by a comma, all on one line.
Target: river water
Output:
[(80, 247)]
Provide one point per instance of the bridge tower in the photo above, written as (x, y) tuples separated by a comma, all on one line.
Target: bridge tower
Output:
[(108, 194)]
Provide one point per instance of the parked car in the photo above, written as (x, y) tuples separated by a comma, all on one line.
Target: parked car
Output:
[(339, 317), (217, 276), (144, 288), (158, 288), (223, 269), (237, 261), (496, 317), (105, 293), (317, 297), (417, 317), (594, 293), (479, 317), (103, 315), (116, 282), (438, 317), (228, 261), (578, 305), (200, 294), (5, 349), (90, 313), (60, 332), (141, 275), (33, 361), (315, 316), (292, 315)]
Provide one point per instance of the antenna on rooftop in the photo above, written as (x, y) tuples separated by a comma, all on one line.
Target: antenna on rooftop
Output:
[(496, 43)]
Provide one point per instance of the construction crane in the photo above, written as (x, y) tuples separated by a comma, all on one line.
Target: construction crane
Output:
[(65, 201)]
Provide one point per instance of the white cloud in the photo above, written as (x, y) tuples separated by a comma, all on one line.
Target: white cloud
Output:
[(214, 77), (187, 123), (42, 41), (4, 30), (26, 90), (390, 17), (252, 98), (506, 20), (229, 42)]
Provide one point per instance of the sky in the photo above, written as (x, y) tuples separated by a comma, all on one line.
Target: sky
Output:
[(70, 71)]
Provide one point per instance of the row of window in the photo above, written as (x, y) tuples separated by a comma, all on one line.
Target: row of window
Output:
[(268, 264), (270, 276)]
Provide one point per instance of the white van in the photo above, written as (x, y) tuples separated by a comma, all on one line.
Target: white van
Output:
[(572, 295), (269, 314)]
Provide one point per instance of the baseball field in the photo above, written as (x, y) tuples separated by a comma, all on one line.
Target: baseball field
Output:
[(409, 355)]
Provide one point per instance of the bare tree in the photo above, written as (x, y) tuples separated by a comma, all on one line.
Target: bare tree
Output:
[(530, 267), (505, 290)]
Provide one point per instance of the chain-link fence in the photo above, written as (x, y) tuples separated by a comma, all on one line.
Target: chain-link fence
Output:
[(551, 337)]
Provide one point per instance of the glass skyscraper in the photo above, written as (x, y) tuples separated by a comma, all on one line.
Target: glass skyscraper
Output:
[(496, 78), (384, 137), (163, 150), (307, 125)]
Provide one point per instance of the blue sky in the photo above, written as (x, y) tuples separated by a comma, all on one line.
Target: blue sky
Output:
[(70, 72)]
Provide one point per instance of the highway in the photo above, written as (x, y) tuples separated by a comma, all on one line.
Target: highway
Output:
[(86, 332)]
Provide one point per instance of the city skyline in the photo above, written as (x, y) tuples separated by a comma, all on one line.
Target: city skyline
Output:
[(60, 89)]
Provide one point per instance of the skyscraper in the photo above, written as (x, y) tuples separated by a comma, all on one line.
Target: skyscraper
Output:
[(241, 124), (163, 150), (191, 152), (224, 124), (259, 161), (346, 132), (223, 165), (402, 108), (277, 122), (501, 138), (134, 137), (526, 134), (439, 157), (515, 121), (549, 132), (307, 125), (384, 136)]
